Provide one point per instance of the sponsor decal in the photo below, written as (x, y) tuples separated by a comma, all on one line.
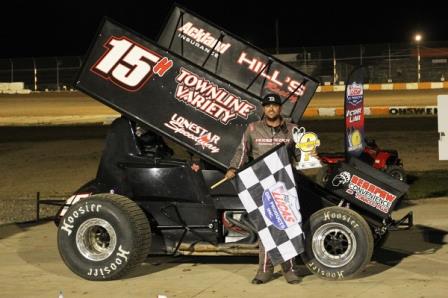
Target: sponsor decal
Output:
[(121, 257), (275, 82), (128, 64), (365, 191), (370, 194), (68, 223), (72, 200), (354, 93), (398, 111), (354, 137), (279, 206), (210, 99), (340, 216), (353, 115), (270, 141), (202, 137), (202, 39), (338, 274), (341, 179)]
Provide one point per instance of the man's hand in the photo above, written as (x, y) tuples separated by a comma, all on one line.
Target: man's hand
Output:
[(230, 173)]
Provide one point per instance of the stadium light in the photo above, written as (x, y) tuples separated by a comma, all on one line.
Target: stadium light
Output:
[(418, 37)]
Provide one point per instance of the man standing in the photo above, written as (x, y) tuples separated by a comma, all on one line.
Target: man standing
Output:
[(260, 137)]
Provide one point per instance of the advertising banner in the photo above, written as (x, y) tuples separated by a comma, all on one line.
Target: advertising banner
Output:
[(167, 93), (354, 113), (237, 61)]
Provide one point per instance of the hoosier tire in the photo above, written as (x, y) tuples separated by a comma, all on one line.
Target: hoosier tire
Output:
[(338, 243), (104, 237)]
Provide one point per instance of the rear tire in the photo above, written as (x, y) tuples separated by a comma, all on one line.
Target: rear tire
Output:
[(338, 243), (104, 237)]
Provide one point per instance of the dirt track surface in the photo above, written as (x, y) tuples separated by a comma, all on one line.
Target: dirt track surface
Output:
[(78, 104), (51, 104), (58, 160), (411, 264)]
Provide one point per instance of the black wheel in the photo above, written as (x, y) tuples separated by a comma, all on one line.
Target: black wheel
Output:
[(322, 175), (397, 172), (104, 237), (338, 243)]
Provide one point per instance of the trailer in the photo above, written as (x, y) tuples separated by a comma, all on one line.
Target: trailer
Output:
[(199, 87)]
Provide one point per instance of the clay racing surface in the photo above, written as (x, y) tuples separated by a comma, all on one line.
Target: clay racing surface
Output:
[(412, 263), (57, 160), (76, 106)]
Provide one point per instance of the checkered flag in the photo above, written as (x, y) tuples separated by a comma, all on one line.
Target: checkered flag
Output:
[(267, 190)]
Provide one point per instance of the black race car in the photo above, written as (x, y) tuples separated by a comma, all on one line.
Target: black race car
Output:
[(144, 202), (201, 95)]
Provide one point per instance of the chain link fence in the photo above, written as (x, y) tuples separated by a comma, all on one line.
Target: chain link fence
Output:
[(386, 63), (39, 74)]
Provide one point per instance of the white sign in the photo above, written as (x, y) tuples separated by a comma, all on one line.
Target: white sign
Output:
[(442, 119)]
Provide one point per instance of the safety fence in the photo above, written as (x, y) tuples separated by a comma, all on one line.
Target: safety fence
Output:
[(39, 74), (386, 63)]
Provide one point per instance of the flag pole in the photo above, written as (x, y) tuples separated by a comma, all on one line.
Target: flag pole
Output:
[(219, 183)]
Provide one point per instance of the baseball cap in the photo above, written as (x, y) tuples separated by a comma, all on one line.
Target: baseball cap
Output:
[(271, 98)]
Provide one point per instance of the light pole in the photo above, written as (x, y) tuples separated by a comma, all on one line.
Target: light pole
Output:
[(334, 66), (389, 80), (418, 38)]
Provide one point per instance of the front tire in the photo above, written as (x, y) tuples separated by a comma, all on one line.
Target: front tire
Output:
[(104, 237), (338, 243)]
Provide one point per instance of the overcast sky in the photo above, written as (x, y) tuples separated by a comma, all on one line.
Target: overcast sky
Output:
[(38, 28)]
